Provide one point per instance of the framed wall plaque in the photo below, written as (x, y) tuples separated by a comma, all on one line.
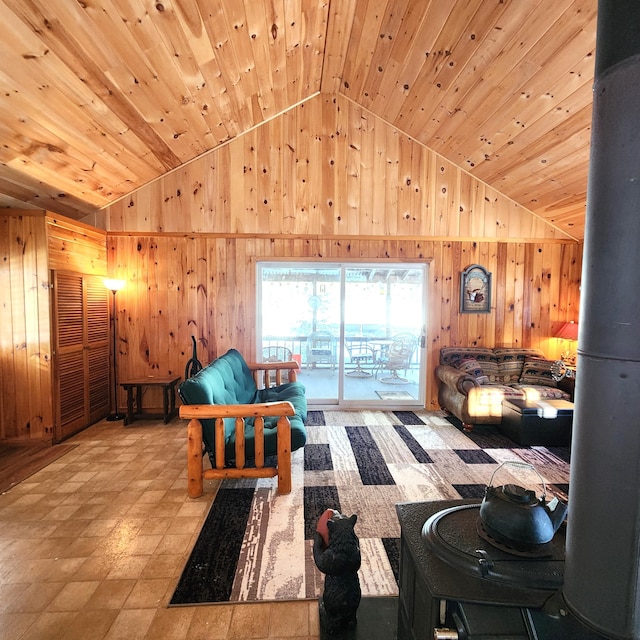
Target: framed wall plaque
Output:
[(475, 290)]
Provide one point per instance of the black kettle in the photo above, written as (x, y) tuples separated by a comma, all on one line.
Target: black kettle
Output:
[(516, 518)]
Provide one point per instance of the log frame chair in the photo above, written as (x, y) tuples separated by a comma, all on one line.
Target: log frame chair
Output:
[(196, 473)]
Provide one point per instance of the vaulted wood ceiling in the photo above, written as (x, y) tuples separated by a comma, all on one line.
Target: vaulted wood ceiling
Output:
[(100, 97)]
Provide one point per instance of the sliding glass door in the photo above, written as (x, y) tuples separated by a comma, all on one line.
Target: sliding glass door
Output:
[(357, 329)]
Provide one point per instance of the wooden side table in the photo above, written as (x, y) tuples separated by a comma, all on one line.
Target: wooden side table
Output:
[(168, 386)]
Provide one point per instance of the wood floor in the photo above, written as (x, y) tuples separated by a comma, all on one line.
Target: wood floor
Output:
[(19, 462)]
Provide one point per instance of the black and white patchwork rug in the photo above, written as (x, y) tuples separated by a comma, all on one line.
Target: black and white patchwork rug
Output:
[(256, 545)]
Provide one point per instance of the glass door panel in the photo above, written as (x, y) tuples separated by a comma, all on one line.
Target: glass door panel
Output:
[(383, 321), (355, 329), (299, 308)]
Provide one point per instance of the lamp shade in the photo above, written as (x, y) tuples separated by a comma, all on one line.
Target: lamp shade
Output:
[(568, 331), (113, 285)]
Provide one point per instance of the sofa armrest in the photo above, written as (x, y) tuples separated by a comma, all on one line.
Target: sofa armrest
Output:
[(197, 412), (262, 372), (456, 379)]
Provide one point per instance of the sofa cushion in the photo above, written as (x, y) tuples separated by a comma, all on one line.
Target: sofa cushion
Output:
[(511, 360), (542, 391), (472, 367), (483, 356), (452, 355), (538, 371)]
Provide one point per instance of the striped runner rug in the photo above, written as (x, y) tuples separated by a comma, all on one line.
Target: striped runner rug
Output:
[(256, 545)]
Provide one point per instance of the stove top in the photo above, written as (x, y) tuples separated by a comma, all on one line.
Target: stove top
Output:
[(452, 535)]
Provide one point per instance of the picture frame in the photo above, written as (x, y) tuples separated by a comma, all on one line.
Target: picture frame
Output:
[(475, 290)]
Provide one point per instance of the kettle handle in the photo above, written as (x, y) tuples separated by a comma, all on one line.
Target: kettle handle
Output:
[(522, 465)]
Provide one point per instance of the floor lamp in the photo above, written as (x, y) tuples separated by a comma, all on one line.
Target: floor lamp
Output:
[(114, 286)]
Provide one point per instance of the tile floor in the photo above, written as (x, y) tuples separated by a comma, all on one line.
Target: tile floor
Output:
[(92, 546)]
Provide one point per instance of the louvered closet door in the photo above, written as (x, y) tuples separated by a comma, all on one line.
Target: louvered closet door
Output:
[(81, 333)]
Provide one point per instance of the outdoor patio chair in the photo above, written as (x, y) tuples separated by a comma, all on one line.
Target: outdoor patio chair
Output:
[(321, 349), (276, 354), (360, 353), (397, 357)]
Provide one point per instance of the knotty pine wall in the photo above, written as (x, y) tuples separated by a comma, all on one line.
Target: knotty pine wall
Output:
[(326, 180), (31, 244), (178, 286)]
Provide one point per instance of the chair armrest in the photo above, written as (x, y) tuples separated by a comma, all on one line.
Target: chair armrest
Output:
[(197, 412), (456, 379), (203, 411), (263, 370)]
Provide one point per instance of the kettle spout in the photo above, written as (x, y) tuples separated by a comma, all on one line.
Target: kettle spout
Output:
[(557, 511)]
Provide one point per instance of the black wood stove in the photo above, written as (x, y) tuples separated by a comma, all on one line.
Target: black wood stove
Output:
[(456, 585)]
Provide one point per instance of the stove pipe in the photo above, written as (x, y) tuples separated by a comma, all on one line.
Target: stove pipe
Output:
[(602, 583)]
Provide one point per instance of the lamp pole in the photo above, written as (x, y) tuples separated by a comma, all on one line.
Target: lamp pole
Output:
[(114, 286)]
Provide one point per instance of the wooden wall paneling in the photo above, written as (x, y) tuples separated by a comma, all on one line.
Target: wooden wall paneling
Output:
[(390, 161), (340, 213), (530, 288), (477, 203), (11, 305), (24, 289), (405, 211), (465, 204), (221, 209), (353, 142), (446, 222), (224, 192), (315, 203), (44, 359), (243, 291), (419, 165), (167, 323), (224, 306), (132, 310), (148, 345), (328, 205), (221, 305), (370, 223), (26, 368), (521, 307), (249, 214), (34, 239), (488, 255), (469, 256), (302, 219), (73, 246), (239, 181), (267, 173), (541, 285)]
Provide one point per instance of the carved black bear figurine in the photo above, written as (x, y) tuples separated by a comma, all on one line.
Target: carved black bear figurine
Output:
[(339, 560)]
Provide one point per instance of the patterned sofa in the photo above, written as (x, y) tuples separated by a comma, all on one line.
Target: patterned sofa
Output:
[(473, 381)]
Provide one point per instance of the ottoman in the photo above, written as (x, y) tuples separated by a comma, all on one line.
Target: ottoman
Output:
[(522, 422)]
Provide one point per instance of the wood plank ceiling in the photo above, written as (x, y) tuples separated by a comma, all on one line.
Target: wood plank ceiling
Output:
[(100, 97)]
